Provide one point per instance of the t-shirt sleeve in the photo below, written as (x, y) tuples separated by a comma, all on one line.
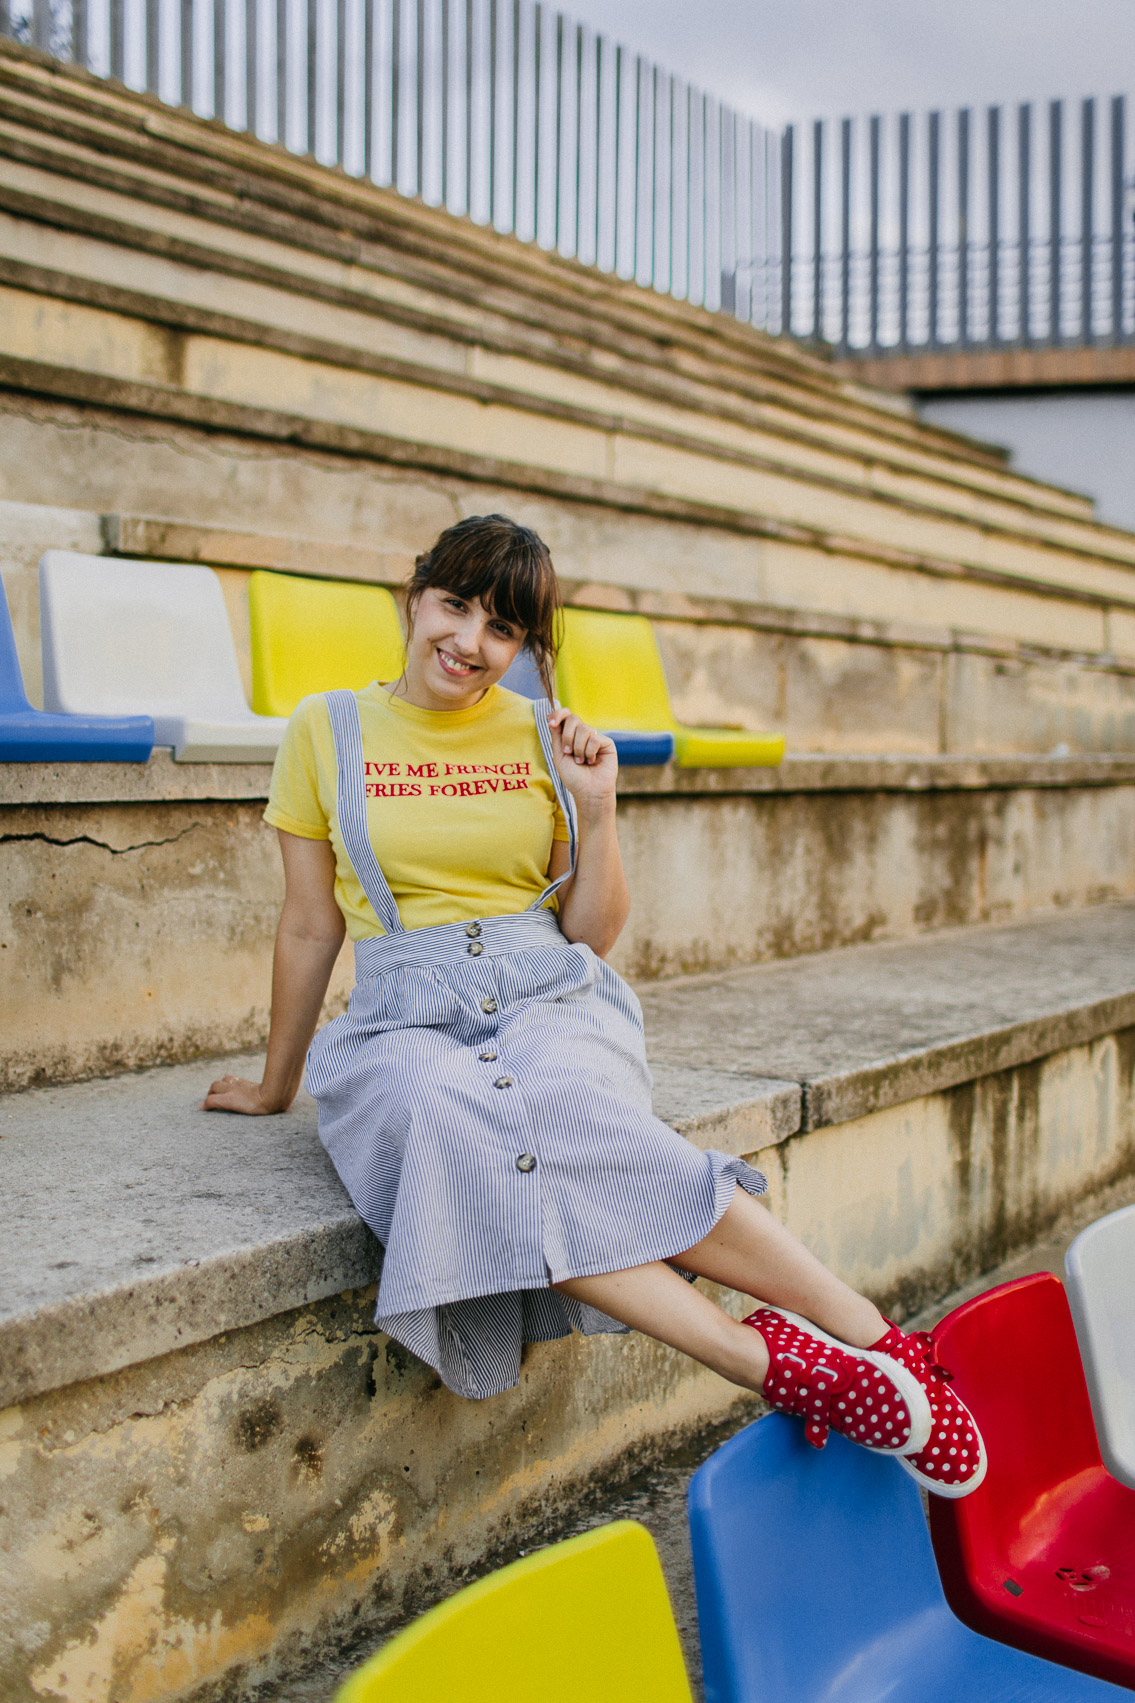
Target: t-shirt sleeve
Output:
[(293, 797), (559, 824)]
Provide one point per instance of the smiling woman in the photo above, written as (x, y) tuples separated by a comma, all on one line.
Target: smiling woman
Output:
[(486, 1098)]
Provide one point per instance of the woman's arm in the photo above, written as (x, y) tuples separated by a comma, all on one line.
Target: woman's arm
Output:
[(594, 904), (307, 944)]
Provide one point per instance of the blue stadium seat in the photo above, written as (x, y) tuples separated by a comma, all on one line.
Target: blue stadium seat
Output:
[(32, 736), (816, 1583)]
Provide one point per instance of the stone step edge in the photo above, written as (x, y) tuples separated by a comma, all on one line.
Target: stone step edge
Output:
[(97, 1333), (162, 781)]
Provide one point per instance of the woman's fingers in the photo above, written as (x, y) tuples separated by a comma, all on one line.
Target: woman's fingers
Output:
[(234, 1094), (577, 740)]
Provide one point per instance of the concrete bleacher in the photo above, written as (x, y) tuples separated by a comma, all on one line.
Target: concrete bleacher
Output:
[(897, 971), (191, 1383)]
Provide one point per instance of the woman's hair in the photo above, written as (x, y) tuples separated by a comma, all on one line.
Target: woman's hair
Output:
[(509, 568)]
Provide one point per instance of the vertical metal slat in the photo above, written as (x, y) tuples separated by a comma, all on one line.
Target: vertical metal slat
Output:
[(1117, 151), (618, 152), (80, 46), (559, 150), (420, 98), (1024, 219), (537, 112), (993, 195), (934, 170), (1087, 213), (340, 79), (963, 225), (845, 233), (786, 199), (395, 89), (118, 38), (578, 138), (445, 82), (1055, 215), (904, 230), (598, 133), (493, 112), (368, 95), (220, 59), (513, 223), (153, 43), (312, 70), (637, 175), (469, 46), (185, 53), (818, 228), (41, 25), (874, 139)]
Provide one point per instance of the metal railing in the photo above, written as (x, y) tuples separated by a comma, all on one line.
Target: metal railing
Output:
[(939, 231), (964, 230), (498, 109)]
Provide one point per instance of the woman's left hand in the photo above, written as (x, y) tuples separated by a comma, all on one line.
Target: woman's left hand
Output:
[(586, 760)]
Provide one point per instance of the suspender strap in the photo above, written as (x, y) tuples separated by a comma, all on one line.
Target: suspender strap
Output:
[(542, 709), (351, 807)]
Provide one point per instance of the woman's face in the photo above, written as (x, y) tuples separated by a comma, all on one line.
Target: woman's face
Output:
[(456, 650)]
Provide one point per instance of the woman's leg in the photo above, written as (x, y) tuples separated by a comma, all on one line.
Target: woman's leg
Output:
[(746, 1250), (655, 1300)]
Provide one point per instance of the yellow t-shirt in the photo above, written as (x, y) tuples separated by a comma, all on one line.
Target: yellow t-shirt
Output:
[(460, 806)]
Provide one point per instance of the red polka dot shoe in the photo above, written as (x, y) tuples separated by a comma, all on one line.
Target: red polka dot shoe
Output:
[(867, 1396), (952, 1462)]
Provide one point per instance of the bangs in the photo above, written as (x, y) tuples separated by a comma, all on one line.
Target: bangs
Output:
[(513, 588)]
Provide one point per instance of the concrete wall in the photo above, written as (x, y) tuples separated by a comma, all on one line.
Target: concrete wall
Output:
[(135, 932), (1083, 439), (189, 1526)]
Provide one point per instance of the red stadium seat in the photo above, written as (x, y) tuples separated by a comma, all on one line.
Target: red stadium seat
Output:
[(1043, 1554)]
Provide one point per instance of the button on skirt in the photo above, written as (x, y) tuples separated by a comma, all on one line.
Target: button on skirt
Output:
[(490, 1117)]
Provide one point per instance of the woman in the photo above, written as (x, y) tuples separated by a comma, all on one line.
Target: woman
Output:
[(486, 1097)]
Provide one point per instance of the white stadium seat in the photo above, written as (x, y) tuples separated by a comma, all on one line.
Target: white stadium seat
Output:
[(1100, 1272), (149, 638)]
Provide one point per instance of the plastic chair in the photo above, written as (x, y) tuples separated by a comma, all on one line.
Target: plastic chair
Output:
[(29, 735), (586, 1621), (1099, 1269), (610, 672), (816, 1584), (315, 635), (123, 637), (1043, 1554), (636, 750)]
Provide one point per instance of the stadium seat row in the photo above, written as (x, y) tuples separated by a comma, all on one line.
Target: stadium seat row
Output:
[(141, 653), (815, 1573)]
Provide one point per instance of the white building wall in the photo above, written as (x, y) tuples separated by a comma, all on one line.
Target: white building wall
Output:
[(1083, 440)]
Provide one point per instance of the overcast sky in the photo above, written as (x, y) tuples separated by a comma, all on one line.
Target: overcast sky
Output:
[(784, 59)]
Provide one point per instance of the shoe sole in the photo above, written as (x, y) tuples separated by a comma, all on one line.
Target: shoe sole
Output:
[(904, 1380), (953, 1492)]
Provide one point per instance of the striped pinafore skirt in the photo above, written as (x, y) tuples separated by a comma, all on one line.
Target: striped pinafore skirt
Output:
[(486, 1100)]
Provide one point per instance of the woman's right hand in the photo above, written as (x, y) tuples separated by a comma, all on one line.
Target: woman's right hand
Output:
[(237, 1094)]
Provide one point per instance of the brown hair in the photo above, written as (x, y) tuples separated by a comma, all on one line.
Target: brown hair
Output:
[(509, 567)]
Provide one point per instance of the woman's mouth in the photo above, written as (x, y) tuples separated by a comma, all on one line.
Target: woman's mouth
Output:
[(454, 666)]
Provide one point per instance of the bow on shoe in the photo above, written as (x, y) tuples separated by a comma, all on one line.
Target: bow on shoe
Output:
[(924, 1343)]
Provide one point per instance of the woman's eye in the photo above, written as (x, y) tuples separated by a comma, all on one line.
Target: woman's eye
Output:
[(505, 632)]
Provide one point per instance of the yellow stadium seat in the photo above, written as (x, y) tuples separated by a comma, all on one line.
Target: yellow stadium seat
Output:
[(314, 635), (586, 1621), (610, 672)]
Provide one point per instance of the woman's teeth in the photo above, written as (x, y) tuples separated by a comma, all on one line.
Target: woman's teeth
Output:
[(454, 665)]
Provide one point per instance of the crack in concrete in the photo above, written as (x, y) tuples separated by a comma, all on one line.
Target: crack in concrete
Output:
[(103, 845)]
